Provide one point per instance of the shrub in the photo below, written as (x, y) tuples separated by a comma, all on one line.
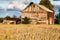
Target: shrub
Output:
[(1, 20), (26, 20)]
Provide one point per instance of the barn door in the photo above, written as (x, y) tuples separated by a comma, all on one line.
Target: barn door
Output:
[(50, 20)]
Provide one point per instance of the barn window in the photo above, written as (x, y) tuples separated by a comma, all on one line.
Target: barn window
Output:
[(34, 6)]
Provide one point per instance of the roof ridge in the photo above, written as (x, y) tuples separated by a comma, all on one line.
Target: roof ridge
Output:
[(41, 6)]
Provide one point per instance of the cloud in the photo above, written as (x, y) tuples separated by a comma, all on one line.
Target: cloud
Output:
[(16, 4), (55, 2)]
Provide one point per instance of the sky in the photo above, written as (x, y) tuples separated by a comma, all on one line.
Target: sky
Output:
[(4, 3), (20, 4)]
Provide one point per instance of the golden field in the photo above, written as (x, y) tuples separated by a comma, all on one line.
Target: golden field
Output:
[(29, 32)]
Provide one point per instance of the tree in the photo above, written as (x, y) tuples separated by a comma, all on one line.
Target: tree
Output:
[(14, 16), (56, 19), (7, 17), (1, 20), (20, 17), (47, 4), (59, 17), (26, 20)]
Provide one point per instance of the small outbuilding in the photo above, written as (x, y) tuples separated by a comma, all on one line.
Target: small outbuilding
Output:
[(11, 20)]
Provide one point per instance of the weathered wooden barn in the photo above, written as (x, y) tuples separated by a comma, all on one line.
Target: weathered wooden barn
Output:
[(38, 14)]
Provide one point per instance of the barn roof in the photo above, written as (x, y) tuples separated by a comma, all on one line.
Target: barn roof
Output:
[(45, 8), (41, 6), (28, 6), (13, 19)]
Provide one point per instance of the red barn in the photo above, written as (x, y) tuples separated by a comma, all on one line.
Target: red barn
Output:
[(38, 14)]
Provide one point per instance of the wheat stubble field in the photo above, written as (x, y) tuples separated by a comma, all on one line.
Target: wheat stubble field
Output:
[(29, 32)]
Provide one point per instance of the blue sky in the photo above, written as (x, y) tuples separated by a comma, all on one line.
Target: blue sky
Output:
[(5, 3)]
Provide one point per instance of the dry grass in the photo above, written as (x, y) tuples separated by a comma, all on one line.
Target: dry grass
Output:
[(29, 32)]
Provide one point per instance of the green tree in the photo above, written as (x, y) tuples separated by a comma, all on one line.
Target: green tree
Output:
[(56, 19), (47, 4), (20, 17), (26, 20), (7, 17), (59, 17), (14, 16), (1, 20)]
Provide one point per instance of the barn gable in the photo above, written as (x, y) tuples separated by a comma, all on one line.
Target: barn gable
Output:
[(38, 14), (32, 7)]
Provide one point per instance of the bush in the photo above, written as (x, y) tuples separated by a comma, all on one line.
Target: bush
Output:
[(56, 21), (26, 20), (1, 20)]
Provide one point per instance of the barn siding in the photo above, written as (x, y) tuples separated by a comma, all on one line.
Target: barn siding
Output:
[(34, 12)]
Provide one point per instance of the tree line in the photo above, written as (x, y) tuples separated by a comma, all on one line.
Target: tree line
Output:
[(57, 18), (26, 20)]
